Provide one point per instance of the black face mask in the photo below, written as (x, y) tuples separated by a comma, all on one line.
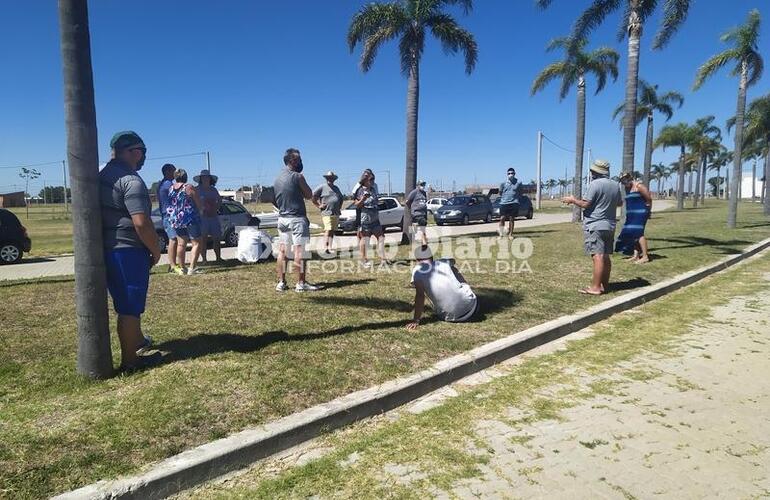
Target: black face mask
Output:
[(299, 167)]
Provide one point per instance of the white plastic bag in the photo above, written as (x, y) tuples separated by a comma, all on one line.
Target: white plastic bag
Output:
[(253, 245)]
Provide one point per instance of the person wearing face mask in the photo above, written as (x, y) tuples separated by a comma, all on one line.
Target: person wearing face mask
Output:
[(130, 244), (291, 191), (510, 193), (417, 203)]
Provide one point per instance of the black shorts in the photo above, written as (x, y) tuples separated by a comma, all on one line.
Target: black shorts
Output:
[(420, 220), (511, 210)]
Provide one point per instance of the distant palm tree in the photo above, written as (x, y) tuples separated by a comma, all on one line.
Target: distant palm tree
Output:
[(658, 172), (722, 159), (757, 129), (676, 135), (705, 143), (551, 184), (635, 14), (409, 21), (749, 67), (666, 176), (572, 71), (648, 103)]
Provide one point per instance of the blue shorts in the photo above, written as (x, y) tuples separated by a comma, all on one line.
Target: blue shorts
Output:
[(128, 278), (210, 227), (170, 231), (191, 232)]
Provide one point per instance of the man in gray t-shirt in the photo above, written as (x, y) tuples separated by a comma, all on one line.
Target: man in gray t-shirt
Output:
[(328, 198), (599, 206), (130, 244), (439, 280), (291, 191)]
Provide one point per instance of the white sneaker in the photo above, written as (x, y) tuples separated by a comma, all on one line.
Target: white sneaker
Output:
[(281, 286), (306, 287), (194, 270)]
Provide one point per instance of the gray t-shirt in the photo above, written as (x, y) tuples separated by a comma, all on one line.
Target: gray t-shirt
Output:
[(122, 193), (370, 214), (452, 299), (288, 194), (605, 195), (418, 201), (510, 192), (331, 196)]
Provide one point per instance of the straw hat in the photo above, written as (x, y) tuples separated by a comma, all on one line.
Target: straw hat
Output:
[(205, 173), (330, 175), (601, 167)]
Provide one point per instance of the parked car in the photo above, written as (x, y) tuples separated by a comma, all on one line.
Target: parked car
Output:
[(525, 208), (464, 209), (268, 219), (435, 203), (14, 240), (231, 215), (391, 215)]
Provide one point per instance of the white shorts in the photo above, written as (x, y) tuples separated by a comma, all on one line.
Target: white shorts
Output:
[(293, 231)]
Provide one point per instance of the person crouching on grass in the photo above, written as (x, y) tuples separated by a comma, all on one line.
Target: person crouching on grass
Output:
[(439, 280), (599, 204)]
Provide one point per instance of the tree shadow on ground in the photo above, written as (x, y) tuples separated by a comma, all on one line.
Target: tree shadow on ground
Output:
[(35, 260), (724, 246), (516, 233), (619, 286), (206, 344)]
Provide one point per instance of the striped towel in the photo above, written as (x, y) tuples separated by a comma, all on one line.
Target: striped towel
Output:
[(637, 214)]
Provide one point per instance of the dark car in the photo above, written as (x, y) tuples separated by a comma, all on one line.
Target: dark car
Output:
[(14, 240), (525, 208), (464, 209)]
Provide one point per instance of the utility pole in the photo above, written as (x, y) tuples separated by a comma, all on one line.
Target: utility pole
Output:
[(208, 161), (94, 357), (539, 176)]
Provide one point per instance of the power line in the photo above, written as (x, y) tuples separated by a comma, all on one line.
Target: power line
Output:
[(35, 164), (557, 145)]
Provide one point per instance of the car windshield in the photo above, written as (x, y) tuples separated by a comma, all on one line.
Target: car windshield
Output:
[(458, 201)]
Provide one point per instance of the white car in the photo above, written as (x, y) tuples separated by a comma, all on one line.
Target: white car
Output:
[(267, 219), (391, 215), (435, 203)]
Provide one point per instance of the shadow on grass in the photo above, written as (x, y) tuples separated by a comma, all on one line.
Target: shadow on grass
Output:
[(516, 233), (725, 247), (620, 286), (341, 284), (365, 302), (35, 260), (493, 300)]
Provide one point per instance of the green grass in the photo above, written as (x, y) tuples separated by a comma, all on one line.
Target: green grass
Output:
[(239, 354), (443, 444)]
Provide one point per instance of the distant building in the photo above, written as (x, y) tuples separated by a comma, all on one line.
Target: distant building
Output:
[(16, 199)]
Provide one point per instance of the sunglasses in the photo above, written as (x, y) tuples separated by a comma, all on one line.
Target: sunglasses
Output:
[(143, 150)]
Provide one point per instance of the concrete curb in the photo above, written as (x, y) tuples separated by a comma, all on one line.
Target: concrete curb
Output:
[(219, 457)]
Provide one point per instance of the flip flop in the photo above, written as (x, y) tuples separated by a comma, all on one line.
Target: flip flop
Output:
[(586, 291)]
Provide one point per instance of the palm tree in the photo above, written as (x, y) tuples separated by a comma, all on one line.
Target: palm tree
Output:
[(636, 14), (667, 173), (748, 66), (705, 143), (409, 21), (94, 357), (676, 135), (757, 130), (648, 103), (551, 184), (658, 171), (722, 159), (572, 71)]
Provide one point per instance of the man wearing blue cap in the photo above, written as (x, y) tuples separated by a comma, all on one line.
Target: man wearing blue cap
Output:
[(130, 244)]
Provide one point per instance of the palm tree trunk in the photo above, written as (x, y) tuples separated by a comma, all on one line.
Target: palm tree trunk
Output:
[(719, 183), (648, 150), (754, 180), (579, 146), (632, 80), (703, 182), (697, 185), (412, 106), (94, 357), (732, 211), (680, 182), (689, 185), (767, 179)]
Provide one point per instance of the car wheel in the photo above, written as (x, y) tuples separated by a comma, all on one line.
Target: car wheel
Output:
[(163, 241), (10, 253), (488, 218), (439, 223), (231, 238), (466, 220), (530, 214)]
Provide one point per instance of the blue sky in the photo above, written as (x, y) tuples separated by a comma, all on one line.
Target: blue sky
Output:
[(247, 79)]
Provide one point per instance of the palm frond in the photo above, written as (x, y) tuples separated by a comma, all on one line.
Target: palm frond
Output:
[(593, 16), (665, 109), (618, 112), (453, 38), (730, 124), (713, 65), (467, 5), (410, 49), (371, 18), (543, 4), (674, 14), (672, 97), (550, 73), (372, 45), (756, 67)]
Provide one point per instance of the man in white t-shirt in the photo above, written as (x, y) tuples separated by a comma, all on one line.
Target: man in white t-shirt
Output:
[(452, 298)]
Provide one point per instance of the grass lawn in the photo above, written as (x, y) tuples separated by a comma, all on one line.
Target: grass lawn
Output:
[(443, 446), (240, 354)]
